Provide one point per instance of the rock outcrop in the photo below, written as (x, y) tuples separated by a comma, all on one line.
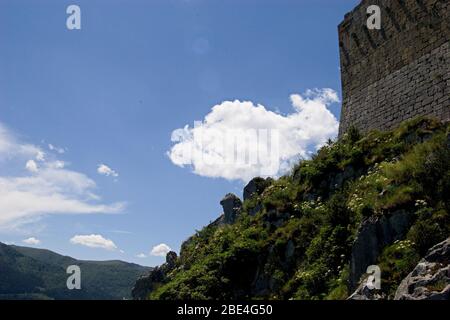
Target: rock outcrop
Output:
[(256, 186), (430, 279), (374, 234), (171, 260), (232, 206), (146, 284), (365, 293), (304, 238)]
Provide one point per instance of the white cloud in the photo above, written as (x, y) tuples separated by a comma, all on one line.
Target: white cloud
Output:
[(40, 155), (206, 148), (141, 255), (32, 241), (58, 164), (94, 241), (10, 147), (103, 169), (56, 149), (47, 189), (51, 191), (31, 166), (160, 250)]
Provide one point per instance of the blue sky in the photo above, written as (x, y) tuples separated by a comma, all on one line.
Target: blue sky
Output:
[(113, 92)]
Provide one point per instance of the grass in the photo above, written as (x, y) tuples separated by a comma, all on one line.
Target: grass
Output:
[(315, 212)]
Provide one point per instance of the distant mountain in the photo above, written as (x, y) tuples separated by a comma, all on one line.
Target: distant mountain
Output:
[(29, 273)]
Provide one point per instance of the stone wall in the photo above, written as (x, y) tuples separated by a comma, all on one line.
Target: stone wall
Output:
[(400, 71)]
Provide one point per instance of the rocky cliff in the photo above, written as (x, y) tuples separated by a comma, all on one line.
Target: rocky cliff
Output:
[(430, 279), (379, 199)]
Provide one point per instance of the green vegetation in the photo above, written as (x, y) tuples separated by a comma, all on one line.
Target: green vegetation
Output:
[(298, 244), (397, 261), (29, 273)]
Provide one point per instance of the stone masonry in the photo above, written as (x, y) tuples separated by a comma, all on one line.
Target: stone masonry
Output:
[(399, 72)]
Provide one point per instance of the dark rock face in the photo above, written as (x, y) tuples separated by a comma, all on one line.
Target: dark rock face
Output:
[(276, 219), (256, 186), (337, 181), (290, 250), (430, 279), (374, 234), (146, 284), (232, 206), (171, 259), (258, 208)]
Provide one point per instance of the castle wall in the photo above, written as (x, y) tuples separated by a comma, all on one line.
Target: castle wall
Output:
[(399, 72)]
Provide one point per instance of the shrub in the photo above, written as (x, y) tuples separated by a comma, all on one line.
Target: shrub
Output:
[(431, 228), (318, 209), (396, 262)]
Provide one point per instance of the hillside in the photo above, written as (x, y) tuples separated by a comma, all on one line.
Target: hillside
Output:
[(29, 273), (376, 199)]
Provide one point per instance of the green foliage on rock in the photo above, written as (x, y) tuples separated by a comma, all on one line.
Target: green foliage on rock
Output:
[(294, 240)]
